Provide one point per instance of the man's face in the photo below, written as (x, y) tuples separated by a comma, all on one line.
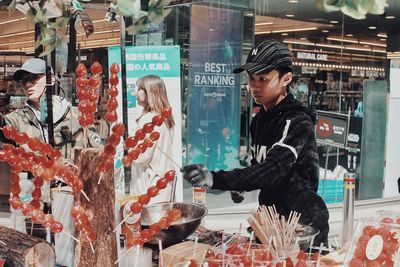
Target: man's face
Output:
[(28, 81), (268, 89)]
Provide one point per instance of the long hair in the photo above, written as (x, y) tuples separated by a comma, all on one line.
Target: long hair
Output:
[(157, 99)]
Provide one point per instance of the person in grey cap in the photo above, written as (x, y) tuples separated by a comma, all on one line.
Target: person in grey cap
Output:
[(68, 134), (285, 165)]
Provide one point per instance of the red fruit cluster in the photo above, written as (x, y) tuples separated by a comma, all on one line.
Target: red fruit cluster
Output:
[(384, 257), (82, 223), (37, 216), (35, 145), (152, 191), (68, 176), (140, 134), (112, 104), (87, 92), (147, 235), (107, 160)]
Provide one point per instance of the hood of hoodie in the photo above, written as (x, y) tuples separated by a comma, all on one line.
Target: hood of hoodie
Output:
[(290, 104)]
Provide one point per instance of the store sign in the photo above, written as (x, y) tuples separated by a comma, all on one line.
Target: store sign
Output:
[(312, 56), (332, 129), (214, 91), (163, 61)]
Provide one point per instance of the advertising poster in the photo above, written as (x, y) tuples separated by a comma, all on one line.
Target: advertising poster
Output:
[(214, 91), (332, 129), (163, 61)]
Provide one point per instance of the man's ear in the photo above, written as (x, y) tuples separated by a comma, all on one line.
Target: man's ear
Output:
[(287, 78)]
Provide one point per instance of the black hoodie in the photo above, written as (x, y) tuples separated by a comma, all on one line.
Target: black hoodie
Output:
[(284, 165)]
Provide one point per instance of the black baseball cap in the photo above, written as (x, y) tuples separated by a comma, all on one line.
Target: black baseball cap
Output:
[(266, 56)]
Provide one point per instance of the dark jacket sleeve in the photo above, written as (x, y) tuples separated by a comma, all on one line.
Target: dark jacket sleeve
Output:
[(277, 164)]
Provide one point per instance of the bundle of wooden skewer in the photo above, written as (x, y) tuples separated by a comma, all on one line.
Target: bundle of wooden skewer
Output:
[(274, 231)]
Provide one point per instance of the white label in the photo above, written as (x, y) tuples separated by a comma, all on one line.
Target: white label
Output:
[(374, 247)]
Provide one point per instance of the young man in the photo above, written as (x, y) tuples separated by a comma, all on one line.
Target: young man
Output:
[(68, 134), (284, 152)]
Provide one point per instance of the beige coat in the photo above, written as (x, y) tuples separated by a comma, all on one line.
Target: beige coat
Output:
[(152, 165), (68, 134)]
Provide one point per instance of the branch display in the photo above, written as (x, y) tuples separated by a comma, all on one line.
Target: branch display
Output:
[(94, 219), (24, 250)]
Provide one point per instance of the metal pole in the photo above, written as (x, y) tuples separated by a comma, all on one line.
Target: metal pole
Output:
[(326, 168), (39, 49), (348, 207), (127, 171)]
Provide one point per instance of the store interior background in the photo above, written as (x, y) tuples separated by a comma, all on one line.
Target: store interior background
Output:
[(355, 62)]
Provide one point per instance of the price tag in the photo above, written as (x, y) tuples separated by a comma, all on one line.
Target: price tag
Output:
[(374, 247), (199, 195)]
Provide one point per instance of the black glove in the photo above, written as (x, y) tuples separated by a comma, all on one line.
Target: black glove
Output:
[(237, 196), (198, 175)]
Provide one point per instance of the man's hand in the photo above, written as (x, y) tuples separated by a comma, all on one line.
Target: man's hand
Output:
[(198, 175)]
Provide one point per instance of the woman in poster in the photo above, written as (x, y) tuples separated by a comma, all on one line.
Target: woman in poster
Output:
[(150, 166)]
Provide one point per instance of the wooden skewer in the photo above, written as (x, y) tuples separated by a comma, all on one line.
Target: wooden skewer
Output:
[(168, 157), (4, 244), (84, 194), (91, 247), (123, 220), (71, 236), (123, 255), (100, 178)]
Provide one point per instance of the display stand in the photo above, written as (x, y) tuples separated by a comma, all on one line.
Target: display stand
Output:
[(100, 211)]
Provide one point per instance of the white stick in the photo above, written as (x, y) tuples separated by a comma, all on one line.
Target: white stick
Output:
[(123, 220), (4, 244), (160, 248), (168, 157), (250, 240), (196, 240), (84, 194), (137, 256), (123, 255), (101, 177), (70, 236), (91, 247)]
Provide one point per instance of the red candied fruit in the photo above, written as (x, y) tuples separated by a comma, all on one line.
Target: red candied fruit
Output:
[(96, 68), (170, 175), (81, 70), (114, 69)]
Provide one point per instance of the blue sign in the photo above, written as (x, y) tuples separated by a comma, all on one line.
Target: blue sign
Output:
[(214, 91)]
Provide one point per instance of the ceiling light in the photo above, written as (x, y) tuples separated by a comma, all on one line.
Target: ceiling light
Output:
[(297, 42), (382, 40), (293, 1), (334, 21), (303, 38), (16, 34), (325, 31), (390, 17), (264, 23), (265, 32), (11, 20), (284, 34), (373, 44), (349, 35), (383, 35), (296, 30), (290, 15), (372, 27)]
